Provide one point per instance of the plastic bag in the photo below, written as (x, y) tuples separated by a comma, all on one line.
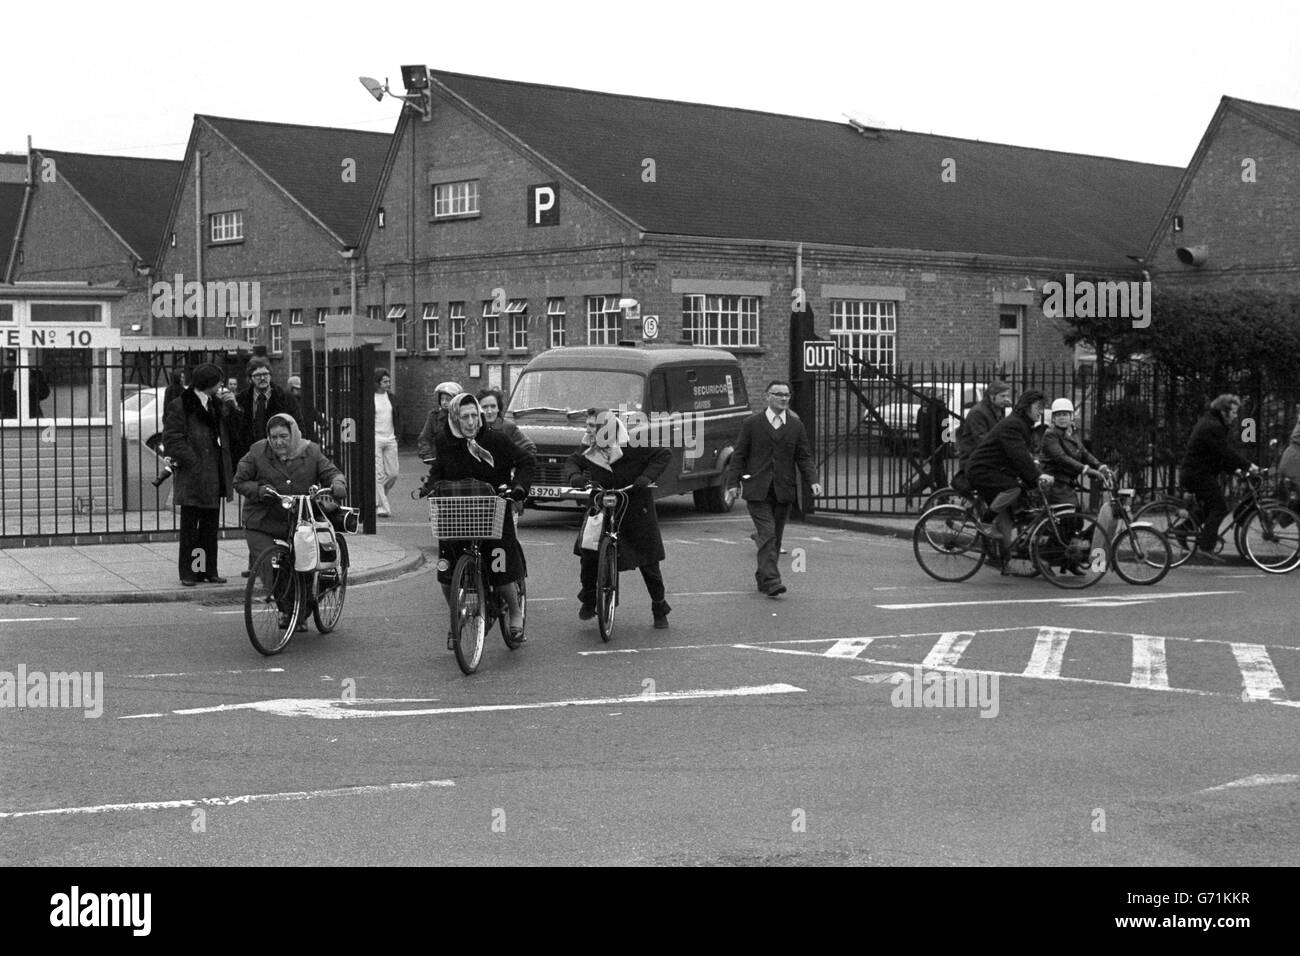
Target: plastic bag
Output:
[(591, 531)]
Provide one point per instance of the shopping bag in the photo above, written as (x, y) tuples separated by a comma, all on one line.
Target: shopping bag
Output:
[(591, 531), (305, 555)]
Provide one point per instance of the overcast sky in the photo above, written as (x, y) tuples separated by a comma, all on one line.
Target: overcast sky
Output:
[(1137, 79)]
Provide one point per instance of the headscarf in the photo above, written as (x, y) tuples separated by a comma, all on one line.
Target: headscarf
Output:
[(453, 424), (615, 433), (296, 442)]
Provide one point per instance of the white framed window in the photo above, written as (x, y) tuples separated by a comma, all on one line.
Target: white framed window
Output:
[(431, 326), (866, 329), (604, 320), (517, 310), (320, 316), (456, 326), (277, 332), (455, 199), (295, 316), (721, 320), (1010, 327), (226, 226), (374, 312), (491, 328), (232, 327), (397, 315), (556, 320)]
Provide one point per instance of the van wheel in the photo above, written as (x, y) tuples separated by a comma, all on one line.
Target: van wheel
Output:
[(716, 499)]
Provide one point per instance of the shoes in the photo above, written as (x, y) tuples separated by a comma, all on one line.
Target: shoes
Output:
[(302, 626), (244, 574), (189, 582), (451, 640), (383, 514), (1208, 558), (661, 610), (214, 579), (661, 623), (517, 635), (282, 620), (784, 551), (586, 612), (1071, 567), (775, 590)]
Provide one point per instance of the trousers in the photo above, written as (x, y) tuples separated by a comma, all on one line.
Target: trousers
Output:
[(198, 546), (769, 516)]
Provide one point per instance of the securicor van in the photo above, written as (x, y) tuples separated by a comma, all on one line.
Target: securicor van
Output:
[(690, 400)]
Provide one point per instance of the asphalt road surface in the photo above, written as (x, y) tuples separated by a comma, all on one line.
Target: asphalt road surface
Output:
[(1126, 726)]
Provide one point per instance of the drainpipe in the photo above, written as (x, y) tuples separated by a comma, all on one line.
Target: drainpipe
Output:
[(198, 232), (28, 189)]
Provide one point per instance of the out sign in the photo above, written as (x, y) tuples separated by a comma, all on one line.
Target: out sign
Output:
[(544, 205), (818, 356)]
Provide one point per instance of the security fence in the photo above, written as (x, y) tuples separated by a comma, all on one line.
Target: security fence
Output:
[(881, 450)]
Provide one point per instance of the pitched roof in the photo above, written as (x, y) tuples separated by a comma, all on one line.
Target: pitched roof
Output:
[(745, 174), (132, 195), (1286, 121), (306, 161)]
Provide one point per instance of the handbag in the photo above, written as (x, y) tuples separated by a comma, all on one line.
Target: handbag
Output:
[(306, 556), (591, 531)]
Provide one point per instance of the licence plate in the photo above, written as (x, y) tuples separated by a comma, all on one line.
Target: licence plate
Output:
[(546, 491)]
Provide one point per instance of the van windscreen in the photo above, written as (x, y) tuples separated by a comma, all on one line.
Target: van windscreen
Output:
[(569, 390)]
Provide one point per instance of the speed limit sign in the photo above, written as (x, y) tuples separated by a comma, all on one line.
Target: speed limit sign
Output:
[(650, 327)]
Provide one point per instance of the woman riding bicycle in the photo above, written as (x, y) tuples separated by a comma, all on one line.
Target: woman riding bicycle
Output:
[(609, 461), (1065, 458), (1208, 454), (468, 450)]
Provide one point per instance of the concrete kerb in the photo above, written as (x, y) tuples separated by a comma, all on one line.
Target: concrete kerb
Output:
[(865, 525), (411, 559)]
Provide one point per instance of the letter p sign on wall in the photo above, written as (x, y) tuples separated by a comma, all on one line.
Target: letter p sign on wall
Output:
[(544, 205)]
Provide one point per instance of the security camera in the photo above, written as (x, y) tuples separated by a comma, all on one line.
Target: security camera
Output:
[(1193, 255)]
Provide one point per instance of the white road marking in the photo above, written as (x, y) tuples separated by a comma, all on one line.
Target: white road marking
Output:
[(849, 647), (1048, 653), (1259, 679), (1149, 663), (673, 594), (255, 670), (948, 650), (29, 620), (336, 709), (880, 678), (1061, 600), (1256, 780), (230, 801)]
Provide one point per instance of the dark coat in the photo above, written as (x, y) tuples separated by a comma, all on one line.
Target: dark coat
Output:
[(511, 465), (979, 421), (1004, 454), (1064, 457), (1208, 453), (198, 440), (292, 477), (434, 425), (279, 402), (639, 541), (770, 458), (930, 421)]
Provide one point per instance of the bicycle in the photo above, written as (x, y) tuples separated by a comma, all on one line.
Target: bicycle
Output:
[(1264, 531), (277, 596), (1140, 553), (951, 543), (613, 504), (471, 519)]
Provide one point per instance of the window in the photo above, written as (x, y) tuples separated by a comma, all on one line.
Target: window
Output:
[(721, 320), (320, 316), (604, 320), (397, 315), (555, 315), (431, 326), (1010, 323), (277, 332), (491, 328), (455, 199), (295, 316), (456, 319), (374, 312), (232, 327), (227, 226), (865, 329), (517, 309)]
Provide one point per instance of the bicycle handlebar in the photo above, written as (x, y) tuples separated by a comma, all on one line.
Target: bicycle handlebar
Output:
[(597, 489)]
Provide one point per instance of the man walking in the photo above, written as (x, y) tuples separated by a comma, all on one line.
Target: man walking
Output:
[(772, 445)]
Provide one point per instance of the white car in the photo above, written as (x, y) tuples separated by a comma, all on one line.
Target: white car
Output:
[(142, 415), (901, 416)]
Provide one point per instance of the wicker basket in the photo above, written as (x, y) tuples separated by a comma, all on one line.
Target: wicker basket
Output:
[(477, 516)]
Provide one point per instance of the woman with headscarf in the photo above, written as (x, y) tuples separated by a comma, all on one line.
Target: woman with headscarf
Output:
[(468, 449), (607, 459), (283, 463)]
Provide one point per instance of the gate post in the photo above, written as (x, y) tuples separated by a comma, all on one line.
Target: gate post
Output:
[(363, 404), (803, 395)]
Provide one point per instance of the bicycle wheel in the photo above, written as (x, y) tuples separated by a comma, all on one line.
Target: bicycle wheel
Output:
[(1171, 518), (1140, 554), (1073, 553), (272, 600), (329, 602), (468, 613), (1271, 536), (944, 496), (504, 619), (948, 543), (606, 587)]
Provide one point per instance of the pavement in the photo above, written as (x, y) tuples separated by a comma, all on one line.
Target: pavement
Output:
[(146, 572)]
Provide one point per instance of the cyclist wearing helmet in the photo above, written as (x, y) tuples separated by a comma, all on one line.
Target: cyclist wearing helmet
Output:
[(1065, 458), (437, 420), (1002, 460)]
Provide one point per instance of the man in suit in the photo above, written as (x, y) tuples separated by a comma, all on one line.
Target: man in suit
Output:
[(257, 404), (772, 447)]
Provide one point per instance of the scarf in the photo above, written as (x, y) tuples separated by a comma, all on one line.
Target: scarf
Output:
[(480, 453), (296, 442), (606, 446)]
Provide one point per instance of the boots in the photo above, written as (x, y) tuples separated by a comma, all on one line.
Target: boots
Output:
[(661, 610)]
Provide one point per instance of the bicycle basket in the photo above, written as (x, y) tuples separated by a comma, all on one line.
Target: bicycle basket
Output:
[(477, 516)]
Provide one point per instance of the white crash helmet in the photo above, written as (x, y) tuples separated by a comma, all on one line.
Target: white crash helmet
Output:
[(1062, 405), (450, 389)]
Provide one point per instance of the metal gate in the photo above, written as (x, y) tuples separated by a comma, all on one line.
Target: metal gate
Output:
[(337, 390)]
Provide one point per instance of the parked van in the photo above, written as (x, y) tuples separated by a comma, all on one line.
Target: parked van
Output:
[(692, 400)]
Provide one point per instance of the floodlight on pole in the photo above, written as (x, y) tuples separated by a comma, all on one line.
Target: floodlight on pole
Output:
[(418, 96)]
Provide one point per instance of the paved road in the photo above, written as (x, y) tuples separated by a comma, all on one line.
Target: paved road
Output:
[(753, 731)]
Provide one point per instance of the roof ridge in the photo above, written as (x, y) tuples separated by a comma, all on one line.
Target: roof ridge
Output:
[(270, 123), (68, 152)]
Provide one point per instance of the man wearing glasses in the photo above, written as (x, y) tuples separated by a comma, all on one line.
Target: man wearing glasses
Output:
[(773, 446), (258, 403)]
